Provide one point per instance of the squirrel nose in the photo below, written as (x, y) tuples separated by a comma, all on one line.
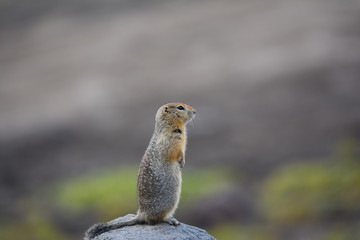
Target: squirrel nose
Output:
[(194, 111)]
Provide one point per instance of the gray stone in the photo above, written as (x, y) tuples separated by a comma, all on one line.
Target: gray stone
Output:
[(161, 231)]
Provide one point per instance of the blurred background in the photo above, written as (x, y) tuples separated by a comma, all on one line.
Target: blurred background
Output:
[(272, 154)]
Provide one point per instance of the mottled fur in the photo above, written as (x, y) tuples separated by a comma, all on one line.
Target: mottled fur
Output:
[(159, 177)]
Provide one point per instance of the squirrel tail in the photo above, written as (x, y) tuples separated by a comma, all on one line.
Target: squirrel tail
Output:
[(100, 228)]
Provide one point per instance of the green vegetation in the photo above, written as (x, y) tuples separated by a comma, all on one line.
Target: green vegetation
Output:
[(231, 231), (319, 192), (313, 191), (35, 226), (113, 193), (110, 193), (199, 183), (227, 231), (341, 233)]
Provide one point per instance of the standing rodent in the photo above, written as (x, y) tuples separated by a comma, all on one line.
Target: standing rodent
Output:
[(159, 176)]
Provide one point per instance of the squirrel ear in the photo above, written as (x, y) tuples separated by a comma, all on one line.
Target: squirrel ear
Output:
[(166, 109)]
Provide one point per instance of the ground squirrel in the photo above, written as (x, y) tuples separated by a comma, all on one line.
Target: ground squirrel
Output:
[(159, 176)]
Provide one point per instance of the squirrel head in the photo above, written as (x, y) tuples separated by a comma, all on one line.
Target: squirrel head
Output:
[(175, 113)]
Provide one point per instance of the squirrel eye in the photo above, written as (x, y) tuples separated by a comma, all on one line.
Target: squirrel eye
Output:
[(180, 107)]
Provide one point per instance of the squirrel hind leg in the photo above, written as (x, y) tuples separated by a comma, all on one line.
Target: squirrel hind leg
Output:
[(101, 228), (172, 221)]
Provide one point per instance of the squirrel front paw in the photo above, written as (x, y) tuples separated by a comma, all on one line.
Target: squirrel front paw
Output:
[(181, 162)]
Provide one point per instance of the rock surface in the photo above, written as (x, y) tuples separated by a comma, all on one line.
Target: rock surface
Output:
[(155, 232)]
